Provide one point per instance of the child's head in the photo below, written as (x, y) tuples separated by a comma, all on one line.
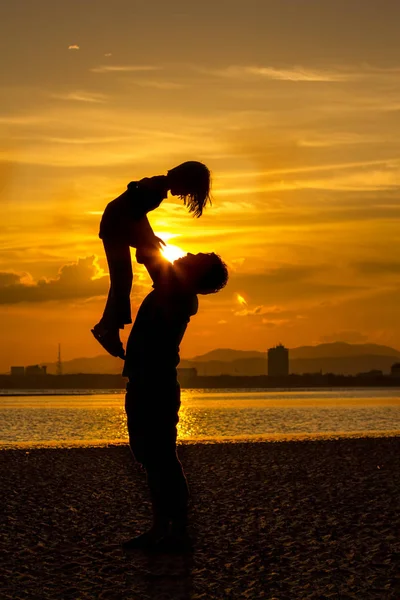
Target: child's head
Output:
[(202, 273), (191, 181)]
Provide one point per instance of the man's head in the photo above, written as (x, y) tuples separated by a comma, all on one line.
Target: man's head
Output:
[(191, 181), (202, 273)]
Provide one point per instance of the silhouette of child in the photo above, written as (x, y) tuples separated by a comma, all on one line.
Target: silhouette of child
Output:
[(153, 393), (124, 225)]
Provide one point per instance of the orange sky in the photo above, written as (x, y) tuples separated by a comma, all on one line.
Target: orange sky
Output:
[(295, 107)]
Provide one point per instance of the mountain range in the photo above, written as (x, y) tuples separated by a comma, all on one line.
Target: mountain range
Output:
[(337, 357)]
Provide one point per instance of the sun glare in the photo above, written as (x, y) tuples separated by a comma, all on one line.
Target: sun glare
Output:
[(172, 253)]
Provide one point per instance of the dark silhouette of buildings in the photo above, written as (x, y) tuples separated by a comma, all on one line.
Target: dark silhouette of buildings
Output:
[(278, 361), (89, 382), (187, 375), (59, 363), (17, 371), (35, 370), (395, 370), (371, 373)]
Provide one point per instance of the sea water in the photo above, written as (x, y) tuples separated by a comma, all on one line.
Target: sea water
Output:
[(206, 415)]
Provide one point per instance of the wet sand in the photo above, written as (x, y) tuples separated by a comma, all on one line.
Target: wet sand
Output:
[(287, 520)]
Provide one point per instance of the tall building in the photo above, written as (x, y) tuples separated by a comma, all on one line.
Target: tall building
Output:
[(395, 370), (278, 361)]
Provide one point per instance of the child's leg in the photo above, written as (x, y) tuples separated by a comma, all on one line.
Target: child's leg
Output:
[(117, 312)]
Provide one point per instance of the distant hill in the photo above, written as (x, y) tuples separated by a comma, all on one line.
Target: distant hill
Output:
[(227, 355), (338, 357), (342, 349), (104, 363), (319, 351), (349, 365), (241, 366)]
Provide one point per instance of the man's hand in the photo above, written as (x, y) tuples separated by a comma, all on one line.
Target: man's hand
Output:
[(150, 249), (160, 242)]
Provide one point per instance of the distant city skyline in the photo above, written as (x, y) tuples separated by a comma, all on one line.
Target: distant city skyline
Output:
[(339, 357)]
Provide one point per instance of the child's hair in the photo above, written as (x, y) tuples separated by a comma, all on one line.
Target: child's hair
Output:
[(196, 177), (215, 275)]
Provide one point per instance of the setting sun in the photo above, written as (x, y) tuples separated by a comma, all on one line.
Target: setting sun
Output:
[(172, 253)]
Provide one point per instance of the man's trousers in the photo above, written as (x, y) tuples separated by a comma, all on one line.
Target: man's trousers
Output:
[(152, 406)]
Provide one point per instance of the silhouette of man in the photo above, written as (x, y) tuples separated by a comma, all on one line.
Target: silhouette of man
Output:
[(153, 392)]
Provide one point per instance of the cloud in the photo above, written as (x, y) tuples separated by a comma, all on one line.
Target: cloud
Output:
[(269, 315), (274, 322), (298, 73), (159, 85), (83, 279), (294, 74), (7, 279), (294, 285), (124, 68), (378, 267), (78, 96), (74, 47)]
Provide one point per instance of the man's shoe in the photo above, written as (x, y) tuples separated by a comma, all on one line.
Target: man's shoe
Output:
[(145, 541), (174, 544)]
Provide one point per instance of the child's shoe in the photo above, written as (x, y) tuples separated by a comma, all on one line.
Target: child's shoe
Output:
[(109, 339)]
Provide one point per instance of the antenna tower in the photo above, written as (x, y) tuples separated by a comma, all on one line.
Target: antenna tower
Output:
[(59, 363)]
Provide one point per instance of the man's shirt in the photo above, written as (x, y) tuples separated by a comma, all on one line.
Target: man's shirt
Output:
[(160, 324)]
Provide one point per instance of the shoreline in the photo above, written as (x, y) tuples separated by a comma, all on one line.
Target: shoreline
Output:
[(118, 391), (273, 389), (315, 519), (245, 439)]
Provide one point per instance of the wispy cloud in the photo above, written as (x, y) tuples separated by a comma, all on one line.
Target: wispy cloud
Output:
[(159, 85), (124, 68), (74, 47), (299, 73), (296, 73), (23, 120), (80, 96)]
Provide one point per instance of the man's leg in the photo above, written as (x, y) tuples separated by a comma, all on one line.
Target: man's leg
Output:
[(168, 488), (138, 419), (152, 436)]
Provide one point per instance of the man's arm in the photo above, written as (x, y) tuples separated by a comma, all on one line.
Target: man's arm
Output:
[(157, 266), (148, 252)]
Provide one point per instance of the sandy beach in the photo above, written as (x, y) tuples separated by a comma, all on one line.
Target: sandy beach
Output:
[(287, 520)]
